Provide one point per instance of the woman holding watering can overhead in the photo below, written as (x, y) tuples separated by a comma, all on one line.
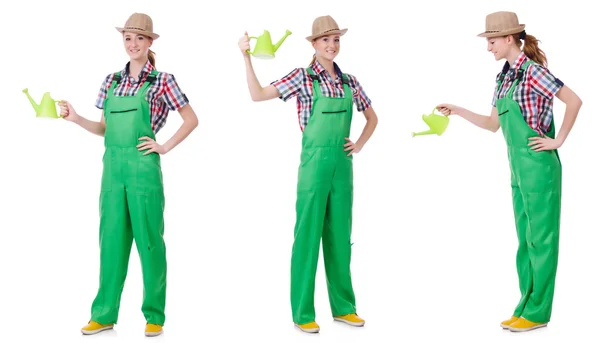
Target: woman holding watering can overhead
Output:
[(325, 98), (135, 104), (522, 107)]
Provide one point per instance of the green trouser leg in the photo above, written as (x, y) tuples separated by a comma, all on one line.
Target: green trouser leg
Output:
[(115, 246), (311, 205), (336, 240), (536, 179), (148, 229), (537, 256)]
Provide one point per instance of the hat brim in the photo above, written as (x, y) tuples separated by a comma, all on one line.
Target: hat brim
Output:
[(488, 34), (327, 33), (149, 34)]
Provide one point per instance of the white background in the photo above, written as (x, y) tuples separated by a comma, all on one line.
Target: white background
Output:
[(434, 239)]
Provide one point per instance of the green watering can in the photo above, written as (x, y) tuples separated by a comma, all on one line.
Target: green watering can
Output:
[(46, 108), (264, 48), (437, 124)]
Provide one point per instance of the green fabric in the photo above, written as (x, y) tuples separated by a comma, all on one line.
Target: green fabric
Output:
[(536, 179), (324, 208), (131, 207)]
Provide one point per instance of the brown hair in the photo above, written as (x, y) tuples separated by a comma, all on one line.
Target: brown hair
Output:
[(531, 48), (151, 57), (313, 59)]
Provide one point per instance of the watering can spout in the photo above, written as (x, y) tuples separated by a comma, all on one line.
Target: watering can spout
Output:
[(36, 107), (423, 133), (278, 44)]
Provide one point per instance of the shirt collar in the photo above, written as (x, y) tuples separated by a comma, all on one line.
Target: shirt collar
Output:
[(319, 69), (521, 58), (147, 69)]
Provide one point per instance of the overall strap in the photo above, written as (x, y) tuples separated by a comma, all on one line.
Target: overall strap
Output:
[(519, 78), (149, 80), (316, 82), (115, 81), (347, 90)]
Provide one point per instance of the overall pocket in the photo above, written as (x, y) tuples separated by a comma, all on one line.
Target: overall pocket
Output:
[(123, 111), (334, 112)]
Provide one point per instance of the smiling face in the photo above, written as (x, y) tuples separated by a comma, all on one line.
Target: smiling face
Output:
[(500, 46), (327, 47), (136, 45)]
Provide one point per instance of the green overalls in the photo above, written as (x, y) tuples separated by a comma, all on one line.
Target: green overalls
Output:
[(131, 207), (536, 179), (324, 207)]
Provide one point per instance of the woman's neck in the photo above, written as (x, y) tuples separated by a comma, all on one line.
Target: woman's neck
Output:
[(328, 65), (513, 54), (135, 68)]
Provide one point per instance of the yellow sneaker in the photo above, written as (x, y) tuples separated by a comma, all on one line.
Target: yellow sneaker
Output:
[(153, 330), (311, 327), (523, 324), (93, 327), (350, 319), (506, 324)]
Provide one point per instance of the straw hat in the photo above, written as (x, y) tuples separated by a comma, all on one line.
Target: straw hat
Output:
[(139, 23), (500, 24), (323, 26)]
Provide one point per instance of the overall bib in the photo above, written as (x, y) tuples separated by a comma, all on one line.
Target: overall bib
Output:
[(131, 207), (536, 180), (324, 207)]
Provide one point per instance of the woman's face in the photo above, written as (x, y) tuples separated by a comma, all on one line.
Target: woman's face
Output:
[(499, 46), (327, 47), (136, 45)]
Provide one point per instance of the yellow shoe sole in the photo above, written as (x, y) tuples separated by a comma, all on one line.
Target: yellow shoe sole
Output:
[(527, 329), (153, 334), (92, 332), (313, 330), (357, 324)]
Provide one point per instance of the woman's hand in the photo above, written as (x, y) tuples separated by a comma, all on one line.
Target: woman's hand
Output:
[(151, 145), (244, 43), (448, 109), (544, 143), (350, 146), (67, 111)]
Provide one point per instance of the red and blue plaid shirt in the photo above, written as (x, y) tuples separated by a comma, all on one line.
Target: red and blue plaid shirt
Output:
[(162, 95), (534, 94), (299, 84)]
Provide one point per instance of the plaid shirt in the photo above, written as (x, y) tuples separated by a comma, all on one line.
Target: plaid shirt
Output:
[(162, 95), (299, 84), (534, 94)]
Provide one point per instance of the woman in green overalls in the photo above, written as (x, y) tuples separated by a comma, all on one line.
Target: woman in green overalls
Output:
[(522, 107), (325, 99), (135, 104)]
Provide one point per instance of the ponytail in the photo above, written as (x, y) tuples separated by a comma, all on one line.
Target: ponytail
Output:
[(313, 60), (151, 57), (531, 49)]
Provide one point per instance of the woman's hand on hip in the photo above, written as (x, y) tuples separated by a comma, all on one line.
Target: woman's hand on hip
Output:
[(351, 147), (544, 143), (151, 146)]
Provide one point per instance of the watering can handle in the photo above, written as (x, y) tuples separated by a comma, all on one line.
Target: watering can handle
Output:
[(57, 101), (251, 37)]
